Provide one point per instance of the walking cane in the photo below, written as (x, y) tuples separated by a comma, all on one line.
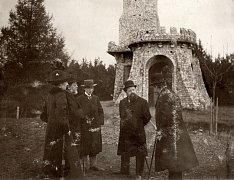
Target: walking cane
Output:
[(63, 159), (147, 164), (151, 161), (155, 142)]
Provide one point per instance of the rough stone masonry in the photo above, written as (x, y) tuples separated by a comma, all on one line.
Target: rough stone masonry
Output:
[(145, 48)]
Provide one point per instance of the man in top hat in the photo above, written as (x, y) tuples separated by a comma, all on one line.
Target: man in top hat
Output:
[(134, 114), (91, 137), (174, 149)]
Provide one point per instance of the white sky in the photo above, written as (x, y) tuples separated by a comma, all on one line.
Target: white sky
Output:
[(88, 25)]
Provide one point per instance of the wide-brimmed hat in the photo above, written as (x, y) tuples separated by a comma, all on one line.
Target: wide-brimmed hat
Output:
[(57, 76), (88, 83), (157, 78), (128, 84)]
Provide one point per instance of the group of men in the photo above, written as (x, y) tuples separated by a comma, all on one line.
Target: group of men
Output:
[(74, 130), (73, 133)]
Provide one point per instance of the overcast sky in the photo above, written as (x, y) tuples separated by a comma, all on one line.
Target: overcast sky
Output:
[(88, 25)]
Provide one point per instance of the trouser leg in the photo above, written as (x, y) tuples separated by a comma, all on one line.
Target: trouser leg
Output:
[(140, 161), (67, 165), (125, 164), (84, 162), (175, 175), (93, 160)]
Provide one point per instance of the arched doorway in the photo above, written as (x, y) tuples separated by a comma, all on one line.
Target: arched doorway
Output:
[(155, 65)]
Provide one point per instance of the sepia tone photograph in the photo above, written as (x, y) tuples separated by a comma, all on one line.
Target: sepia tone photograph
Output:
[(117, 89)]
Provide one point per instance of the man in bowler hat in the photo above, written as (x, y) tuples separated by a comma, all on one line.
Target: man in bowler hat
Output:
[(174, 149), (91, 137), (134, 114)]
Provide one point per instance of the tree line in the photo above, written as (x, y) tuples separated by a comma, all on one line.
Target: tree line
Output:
[(103, 76), (218, 75), (30, 49)]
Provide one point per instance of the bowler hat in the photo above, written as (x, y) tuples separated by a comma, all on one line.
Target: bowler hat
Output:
[(57, 76), (73, 79), (157, 78), (128, 84), (88, 83)]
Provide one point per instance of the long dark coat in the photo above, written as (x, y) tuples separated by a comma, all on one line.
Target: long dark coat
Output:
[(174, 151), (91, 137), (134, 116), (57, 113), (75, 118)]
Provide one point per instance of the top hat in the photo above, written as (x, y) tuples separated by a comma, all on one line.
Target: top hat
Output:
[(157, 78), (58, 76), (71, 80), (88, 83), (128, 84)]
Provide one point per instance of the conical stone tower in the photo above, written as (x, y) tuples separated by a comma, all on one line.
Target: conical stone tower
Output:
[(145, 48)]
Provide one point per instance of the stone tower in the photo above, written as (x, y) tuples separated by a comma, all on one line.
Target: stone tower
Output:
[(137, 15), (145, 48)]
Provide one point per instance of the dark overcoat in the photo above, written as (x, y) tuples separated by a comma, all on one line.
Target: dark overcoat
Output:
[(58, 118), (134, 116), (75, 118), (174, 151), (91, 137), (73, 140)]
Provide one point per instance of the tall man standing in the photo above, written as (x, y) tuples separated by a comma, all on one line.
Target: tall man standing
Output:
[(91, 137), (174, 149), (134, 114)]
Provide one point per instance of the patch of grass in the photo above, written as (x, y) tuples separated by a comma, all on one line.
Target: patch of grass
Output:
[(22, 143)]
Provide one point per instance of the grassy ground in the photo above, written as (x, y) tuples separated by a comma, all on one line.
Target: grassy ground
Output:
[(22, 141)]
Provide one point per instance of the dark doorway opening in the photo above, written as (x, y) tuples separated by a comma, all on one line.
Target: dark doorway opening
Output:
[(156, 65)]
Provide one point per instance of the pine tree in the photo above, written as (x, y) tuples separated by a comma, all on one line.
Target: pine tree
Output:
[(30, 42), (96, 70)]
